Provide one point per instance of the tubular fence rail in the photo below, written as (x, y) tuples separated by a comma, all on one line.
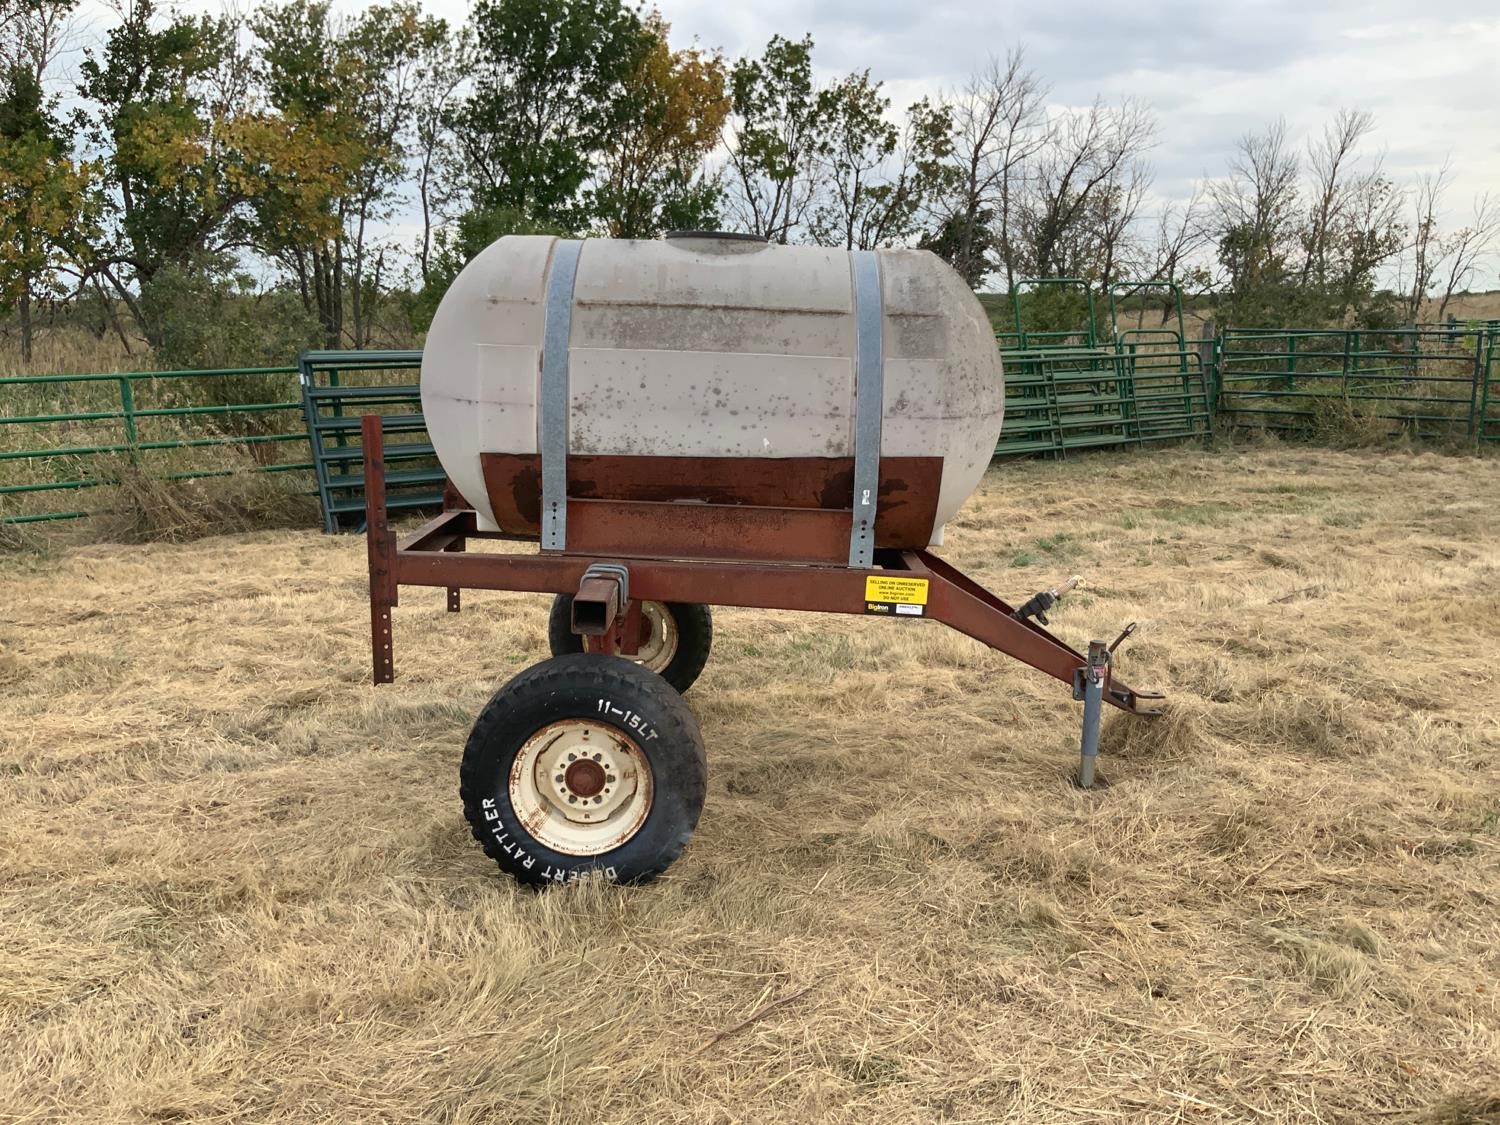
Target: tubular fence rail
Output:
[(1065, 389), (1429, 382), (62, 434)]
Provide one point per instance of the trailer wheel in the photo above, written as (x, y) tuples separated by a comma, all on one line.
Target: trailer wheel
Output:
[(585, 762), (675, 637)]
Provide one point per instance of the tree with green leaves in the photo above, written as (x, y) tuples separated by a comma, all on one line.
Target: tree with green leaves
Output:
[(969, 242), (877, 180), (314, 149), (389, 47), (1082, 193), (47, 206), (1352, 223), (650, 176), (775, 139), (1256, 210), (550, 94), (1303, 243), (442, 69), (458, 243), (1439, 264), (181, 153), (999, 126), (342, 97)]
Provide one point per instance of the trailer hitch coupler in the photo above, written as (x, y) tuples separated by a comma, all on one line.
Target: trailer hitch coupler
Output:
[(1039, 603)]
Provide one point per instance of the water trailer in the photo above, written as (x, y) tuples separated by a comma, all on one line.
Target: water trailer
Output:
[(697, 421)]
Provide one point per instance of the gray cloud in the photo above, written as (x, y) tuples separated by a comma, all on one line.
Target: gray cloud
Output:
[(1211, 72)]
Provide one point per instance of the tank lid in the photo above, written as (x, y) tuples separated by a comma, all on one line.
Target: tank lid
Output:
[(730, 235)]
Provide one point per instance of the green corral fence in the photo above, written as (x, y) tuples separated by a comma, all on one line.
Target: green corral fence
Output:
[(62, 436), (339, 387), (1072, 383), (1430, 383)]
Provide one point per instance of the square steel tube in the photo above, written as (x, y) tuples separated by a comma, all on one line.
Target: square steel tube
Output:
[(596, 605)]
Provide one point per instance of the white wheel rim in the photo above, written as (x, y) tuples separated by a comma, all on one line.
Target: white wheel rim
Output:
[(659, 645), (580, 787)]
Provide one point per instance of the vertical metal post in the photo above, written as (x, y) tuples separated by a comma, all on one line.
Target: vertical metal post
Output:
[(307, 377), (127, 408), (1350, 343), (1092, 686), (455, 593), (869, 402), (1130, 414), (1291, 362), (1478, 396), (1487, 342), (553, 402), (382, 551), (1207, 372)]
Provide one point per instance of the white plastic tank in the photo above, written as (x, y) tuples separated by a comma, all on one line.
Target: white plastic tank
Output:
[(710, 346)]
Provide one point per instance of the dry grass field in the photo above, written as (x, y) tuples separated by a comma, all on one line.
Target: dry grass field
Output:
[(235, 885)]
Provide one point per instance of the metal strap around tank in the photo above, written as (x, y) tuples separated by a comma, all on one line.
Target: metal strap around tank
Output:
[(552, 406), (869, 403)]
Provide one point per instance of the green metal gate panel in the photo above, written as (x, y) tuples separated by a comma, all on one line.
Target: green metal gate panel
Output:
[(338, 387), (1074, 383), (1489, 393), (60, 434)]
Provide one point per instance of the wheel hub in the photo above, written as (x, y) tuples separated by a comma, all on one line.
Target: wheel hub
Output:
[(657, 641), (581, 787), (584, 777)]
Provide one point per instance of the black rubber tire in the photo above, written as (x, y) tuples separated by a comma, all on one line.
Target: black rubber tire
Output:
[(572, 687), (695, 637)]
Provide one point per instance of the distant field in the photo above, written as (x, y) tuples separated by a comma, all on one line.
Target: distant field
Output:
[(1478, 306), (72, 351), (235, 884)]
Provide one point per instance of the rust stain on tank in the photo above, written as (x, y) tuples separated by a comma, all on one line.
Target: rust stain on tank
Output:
[(526, 492)]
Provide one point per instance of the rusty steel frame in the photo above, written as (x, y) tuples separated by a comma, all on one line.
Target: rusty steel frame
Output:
[(433, 555)]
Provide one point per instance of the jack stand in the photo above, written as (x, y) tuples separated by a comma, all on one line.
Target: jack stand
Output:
[(1089, 687)]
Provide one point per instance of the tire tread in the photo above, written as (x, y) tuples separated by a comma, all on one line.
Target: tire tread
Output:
[(546, 679)]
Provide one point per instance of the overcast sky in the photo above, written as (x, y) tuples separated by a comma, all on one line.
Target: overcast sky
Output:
[(1429, 70)]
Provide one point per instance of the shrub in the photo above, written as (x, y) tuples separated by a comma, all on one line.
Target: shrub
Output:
[(207, 318), (143, 508)]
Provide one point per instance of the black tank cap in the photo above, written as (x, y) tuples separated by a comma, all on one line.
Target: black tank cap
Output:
[(736, 236)]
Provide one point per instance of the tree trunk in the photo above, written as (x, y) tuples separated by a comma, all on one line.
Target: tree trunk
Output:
[(357, 296), (112, 315), (422, 194), (329, 282), (336, 340), (151, 335), (24, 307)]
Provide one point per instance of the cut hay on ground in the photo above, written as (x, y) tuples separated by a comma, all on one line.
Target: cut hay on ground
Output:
[(235, 884)]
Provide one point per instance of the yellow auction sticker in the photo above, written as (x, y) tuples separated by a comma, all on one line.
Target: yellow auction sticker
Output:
[(898, 597)]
